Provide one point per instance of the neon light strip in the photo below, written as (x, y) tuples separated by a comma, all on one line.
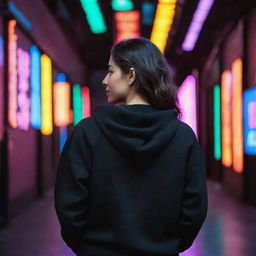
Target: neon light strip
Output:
[(23, 113), (61, 77), (12, 73), (35, 92), (200, 15), (249, 113), (77, 103), (61, 96), (122, 5), (63, 134), (237, 119), (127, 25), (187, 100), (94, 16), (86, 102), (217, 122), (148, 13), (19, 16), (226, 136), (46, 90), (163, 22)]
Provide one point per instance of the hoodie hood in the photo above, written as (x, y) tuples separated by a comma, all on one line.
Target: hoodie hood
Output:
[(136, 130)]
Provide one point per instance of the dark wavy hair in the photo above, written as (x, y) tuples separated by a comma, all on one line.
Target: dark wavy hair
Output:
[(153, 79)]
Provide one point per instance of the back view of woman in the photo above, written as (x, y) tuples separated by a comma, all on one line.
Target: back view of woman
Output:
[(131, 178)]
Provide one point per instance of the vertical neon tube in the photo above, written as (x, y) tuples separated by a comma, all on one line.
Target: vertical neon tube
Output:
[(12, 73), (46, 90), (187, 100), (35, 91), (226, 136), (216, 122), (237, 119), (61, 99), (23, 110), (77, 104), (86, 102), (63, 134), (249, 114)]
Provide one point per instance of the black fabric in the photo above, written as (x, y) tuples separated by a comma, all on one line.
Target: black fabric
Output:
[(131, 180)]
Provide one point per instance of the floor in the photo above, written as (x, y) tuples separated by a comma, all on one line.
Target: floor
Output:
[(229, 229)]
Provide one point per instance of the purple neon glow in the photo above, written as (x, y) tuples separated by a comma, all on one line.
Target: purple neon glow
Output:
[(252, 114), (203, 8), (23, 114), (187, 102)]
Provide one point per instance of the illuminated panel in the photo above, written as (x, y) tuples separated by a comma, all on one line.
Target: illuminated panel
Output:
[(226, 135), (217, 122), (187, 102), (122, 5), (35, 90), (237, 118), (164, 16), (86, 102), (148, 13), (249, 113), (61, 99), (77, 103), (12, 73), (63, 134), (200, 15), (94, 16), (23, 113), (61, 77), (46, 90), (127, 25)]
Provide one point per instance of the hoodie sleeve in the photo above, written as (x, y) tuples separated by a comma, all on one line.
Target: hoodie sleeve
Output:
[(71, 192), (195, 200)]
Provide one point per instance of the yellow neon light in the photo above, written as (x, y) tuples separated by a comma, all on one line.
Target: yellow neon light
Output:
[(226, 135), (237, 118), (163, 22), (46, 90)]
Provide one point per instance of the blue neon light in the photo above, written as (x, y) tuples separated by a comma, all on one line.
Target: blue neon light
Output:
[(35, 92), (63, 134), (249, 111), (61, 77), (19, 16)]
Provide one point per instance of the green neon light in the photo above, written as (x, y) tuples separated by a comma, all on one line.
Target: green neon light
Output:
[(94, 16), (122, 5), (77, 104), (217, 122)]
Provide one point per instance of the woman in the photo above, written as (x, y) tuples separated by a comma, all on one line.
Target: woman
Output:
[(131, 178)]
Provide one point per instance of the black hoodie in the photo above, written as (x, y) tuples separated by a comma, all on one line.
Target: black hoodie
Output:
[(131, 180)]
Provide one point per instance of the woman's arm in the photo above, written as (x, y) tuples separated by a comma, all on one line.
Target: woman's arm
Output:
[(195, 200), (71, 192)]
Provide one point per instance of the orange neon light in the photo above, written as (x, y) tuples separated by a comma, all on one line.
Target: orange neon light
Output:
[(237, 117), (226, 133), (12, 73), (127, 24), (61, 98)]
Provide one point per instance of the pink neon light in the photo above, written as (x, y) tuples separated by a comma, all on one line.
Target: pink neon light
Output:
[(12, 73), (196, 25), (23, 115), (86, 102), (187, 102), (252, 114)]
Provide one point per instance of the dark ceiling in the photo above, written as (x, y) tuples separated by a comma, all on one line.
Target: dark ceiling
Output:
[(94, 49)]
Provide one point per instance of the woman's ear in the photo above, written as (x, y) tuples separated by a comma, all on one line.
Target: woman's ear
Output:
[(132, 75)]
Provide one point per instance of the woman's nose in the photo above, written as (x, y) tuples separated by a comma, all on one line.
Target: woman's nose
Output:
[(104, 82)]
